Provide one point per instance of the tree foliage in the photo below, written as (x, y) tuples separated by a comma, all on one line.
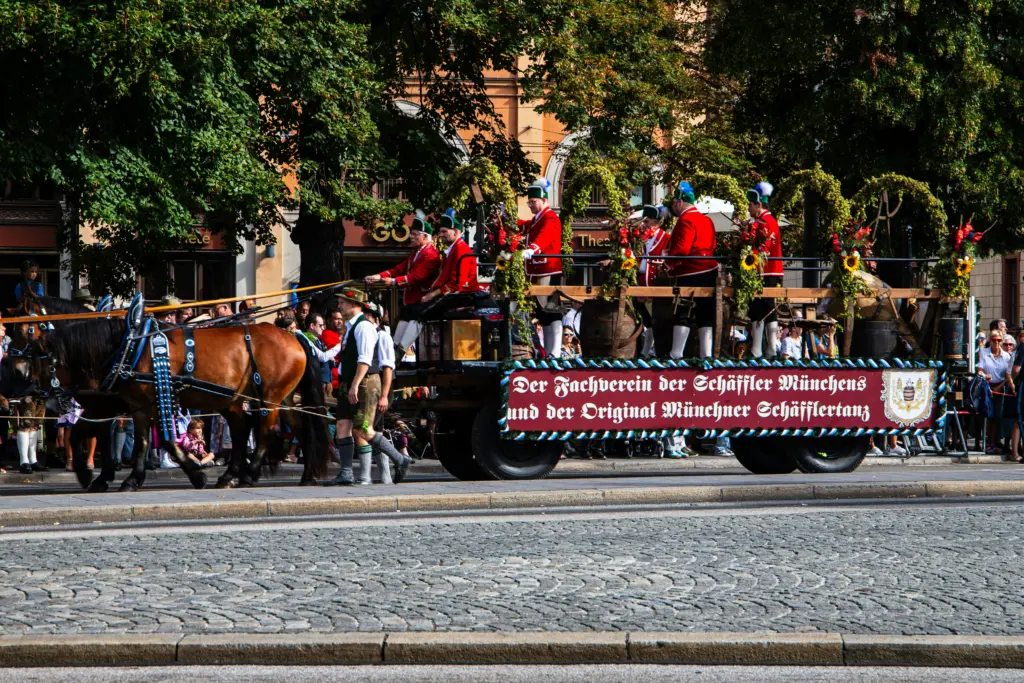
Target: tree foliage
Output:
[(932, 91)]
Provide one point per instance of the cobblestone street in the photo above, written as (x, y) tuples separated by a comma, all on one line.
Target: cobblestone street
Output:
[(922, 569)]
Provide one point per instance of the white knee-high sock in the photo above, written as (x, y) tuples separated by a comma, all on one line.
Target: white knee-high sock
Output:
[(756, 338), (553, 339), (23, 438), (679, 337), (773, 339), (706, 335), (33, 446), (364, 467), (383, 466), (648, 349), (410, 336), (399, 331)]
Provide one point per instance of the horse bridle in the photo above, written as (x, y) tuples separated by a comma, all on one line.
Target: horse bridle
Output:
[(56, 391)]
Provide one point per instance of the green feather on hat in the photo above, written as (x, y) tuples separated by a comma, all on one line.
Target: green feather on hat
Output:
[(448, 220), (538, 189), (420, 224)]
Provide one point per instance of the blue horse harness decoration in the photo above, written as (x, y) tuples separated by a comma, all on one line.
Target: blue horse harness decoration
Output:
[(138, 328)]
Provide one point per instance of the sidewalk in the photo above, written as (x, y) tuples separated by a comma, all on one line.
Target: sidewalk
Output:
[(570, 466), (692, 487)]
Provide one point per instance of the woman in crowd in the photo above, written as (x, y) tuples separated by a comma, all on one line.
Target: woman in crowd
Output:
[(996, 368)]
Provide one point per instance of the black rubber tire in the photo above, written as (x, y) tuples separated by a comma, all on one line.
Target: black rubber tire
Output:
[(455, 451), (505, 459), (829, 455), (763, 455)]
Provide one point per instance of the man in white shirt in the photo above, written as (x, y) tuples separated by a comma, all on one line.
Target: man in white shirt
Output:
[(384, 363), (358, 394)]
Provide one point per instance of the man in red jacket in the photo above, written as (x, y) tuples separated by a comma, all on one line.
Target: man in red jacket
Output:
[(543, 234), (652, 269), (414, 275), (458, 270), (762, 310), (693, 235)]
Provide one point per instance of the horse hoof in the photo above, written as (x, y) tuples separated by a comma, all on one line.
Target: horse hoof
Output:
[(84, 478), (129, 485), (226, 482), (309, 482), (98, 486), (245, 483), (198, 480)]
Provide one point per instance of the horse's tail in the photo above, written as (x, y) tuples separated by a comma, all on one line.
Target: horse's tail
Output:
[(314, 435)]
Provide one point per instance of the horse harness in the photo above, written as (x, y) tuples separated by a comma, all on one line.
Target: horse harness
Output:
[(167, 386)]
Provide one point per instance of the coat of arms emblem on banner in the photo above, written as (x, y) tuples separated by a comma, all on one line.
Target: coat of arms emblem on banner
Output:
[(907, 395)]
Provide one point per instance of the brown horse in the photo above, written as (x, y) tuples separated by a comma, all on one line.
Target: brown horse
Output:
[(80, 357)]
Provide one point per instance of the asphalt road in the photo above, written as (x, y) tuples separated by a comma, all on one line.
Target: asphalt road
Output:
[(931, 569), (513, 674)]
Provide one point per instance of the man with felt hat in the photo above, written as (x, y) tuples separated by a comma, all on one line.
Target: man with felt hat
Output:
[(458, 269), (762, 310), (359, 392), (693, 235), (543, 235), (415, 275), (84, 297)]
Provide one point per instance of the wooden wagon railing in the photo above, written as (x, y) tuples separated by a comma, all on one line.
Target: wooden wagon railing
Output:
[(906, 328)]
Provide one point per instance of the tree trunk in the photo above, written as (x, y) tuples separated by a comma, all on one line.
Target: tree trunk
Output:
[(321, 247)]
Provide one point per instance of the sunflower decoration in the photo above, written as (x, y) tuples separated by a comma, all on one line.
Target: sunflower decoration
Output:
[(625, 239), (502, 261), (751, 262), (749, 247), (851, 262), (851, 254), (964, 266), (952, 273)]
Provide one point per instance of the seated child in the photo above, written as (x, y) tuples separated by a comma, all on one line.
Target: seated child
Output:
[(191, 442)]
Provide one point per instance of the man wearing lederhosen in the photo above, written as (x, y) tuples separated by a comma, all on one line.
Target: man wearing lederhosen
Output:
[(693, 235), (358, 394), (762, 309), (652, 270), (543, 235), (414, 275)]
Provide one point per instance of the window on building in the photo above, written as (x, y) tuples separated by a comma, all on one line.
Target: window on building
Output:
[(638, 196), (1011, 290), (389, 188)]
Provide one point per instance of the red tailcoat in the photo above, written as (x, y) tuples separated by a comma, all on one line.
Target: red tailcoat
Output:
[(544, 236), (457, 274), (416, 273), (774, 244), (656, 246), (693, 235)]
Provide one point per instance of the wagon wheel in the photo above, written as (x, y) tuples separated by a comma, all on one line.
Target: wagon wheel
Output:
[(505, 459), (763, 455), (829, 455), (455, 450)]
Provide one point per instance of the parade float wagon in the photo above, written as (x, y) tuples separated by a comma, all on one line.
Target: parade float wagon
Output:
[(499, 414)]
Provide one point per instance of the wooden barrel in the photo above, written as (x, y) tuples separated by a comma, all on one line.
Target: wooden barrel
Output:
[(874, 338), (599, 336), (868, 307)]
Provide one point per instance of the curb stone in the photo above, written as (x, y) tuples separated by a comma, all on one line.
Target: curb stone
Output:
[(568, 466), (807, 649), (503, 500)]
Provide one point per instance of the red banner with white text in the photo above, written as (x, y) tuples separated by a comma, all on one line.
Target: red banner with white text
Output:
[(742, 398)]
